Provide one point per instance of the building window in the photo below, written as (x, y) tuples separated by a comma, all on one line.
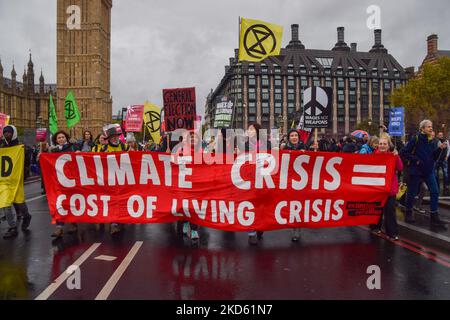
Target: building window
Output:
[(328, 82), (302, 69), (352, 83), (304, 82), (341, 83), (291, 82), (265, 81), (316, 81)]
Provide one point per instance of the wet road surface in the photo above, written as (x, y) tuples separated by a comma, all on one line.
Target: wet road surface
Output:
[(156, 262)]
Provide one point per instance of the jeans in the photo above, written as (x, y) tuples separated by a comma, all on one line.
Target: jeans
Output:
[(443, 165), (11, 216), (413, 189)]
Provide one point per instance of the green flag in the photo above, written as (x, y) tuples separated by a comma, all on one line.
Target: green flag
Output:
[(71, 110), (52, 117)]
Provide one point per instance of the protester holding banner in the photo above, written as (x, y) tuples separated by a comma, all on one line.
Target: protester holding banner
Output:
[(191, 143), (87, 143), (421, 152), (62, 144), (390, 219), (99, 142), (10, 140), (114, 145), (294, 143), (255, 143)]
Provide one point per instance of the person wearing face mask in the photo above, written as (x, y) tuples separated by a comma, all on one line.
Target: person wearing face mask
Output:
[(62, 144), (390, 219), (114, 145), (8, 140), (293, 143)]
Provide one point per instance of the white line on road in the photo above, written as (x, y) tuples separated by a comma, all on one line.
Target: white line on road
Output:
[(112, 282), (35, 198), (55, 285)]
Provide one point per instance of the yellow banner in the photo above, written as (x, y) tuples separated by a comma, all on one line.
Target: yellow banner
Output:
[(152, 120), (259, 40), (11, 175)]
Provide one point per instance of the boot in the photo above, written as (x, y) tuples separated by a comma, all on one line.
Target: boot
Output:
[(26, 222), (435, 221), (409, 217), (11, 233)]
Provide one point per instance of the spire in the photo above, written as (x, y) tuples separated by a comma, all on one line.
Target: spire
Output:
[(41, 78), (30, 63), (13, 73), (24, 77), (1, 67)]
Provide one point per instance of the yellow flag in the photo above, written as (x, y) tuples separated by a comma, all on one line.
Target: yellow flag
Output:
[(11, 177), (259, 40), (152, 120)]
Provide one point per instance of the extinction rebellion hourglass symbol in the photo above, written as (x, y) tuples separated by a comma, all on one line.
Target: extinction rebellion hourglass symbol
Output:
[(70, 110)]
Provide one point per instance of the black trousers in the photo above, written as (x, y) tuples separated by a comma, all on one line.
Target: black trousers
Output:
[(390, 219)]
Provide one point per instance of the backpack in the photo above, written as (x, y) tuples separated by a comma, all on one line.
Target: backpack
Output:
[(413, 152)]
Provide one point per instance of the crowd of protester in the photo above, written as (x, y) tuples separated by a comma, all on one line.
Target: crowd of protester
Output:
[(423, 160)]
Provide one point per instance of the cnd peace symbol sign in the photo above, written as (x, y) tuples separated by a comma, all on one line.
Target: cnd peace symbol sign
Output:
[(264, 39), (154, 122), (70, 110)]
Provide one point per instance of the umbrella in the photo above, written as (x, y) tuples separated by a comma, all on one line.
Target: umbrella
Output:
[(359, 134)]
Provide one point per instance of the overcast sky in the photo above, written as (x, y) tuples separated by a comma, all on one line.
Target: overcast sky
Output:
[(160, 44)]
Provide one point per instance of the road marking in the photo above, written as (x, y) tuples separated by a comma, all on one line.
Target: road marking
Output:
[(112, 282), (425, 252), (35, 198), (55, 285), (105, 258)]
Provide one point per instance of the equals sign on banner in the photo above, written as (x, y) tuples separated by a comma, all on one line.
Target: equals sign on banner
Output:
[(368, 180)]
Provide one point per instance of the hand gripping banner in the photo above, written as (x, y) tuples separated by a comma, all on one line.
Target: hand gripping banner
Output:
[(258, 191)]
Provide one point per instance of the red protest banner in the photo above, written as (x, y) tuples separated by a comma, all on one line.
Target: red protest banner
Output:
[(258, 191), (134, 118), (179, 109)]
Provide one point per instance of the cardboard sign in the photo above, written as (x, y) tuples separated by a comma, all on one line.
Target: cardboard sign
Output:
[(179, 109)]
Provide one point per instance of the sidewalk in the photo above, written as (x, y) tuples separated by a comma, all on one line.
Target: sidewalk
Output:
[(421, 231)]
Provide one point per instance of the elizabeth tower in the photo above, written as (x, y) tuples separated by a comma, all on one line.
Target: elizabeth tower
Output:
[(83, 61)]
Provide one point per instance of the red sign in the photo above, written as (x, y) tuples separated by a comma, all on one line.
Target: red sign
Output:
[(258, 191), (179, 109), (3, 122), (134, 118), (41, 135)]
